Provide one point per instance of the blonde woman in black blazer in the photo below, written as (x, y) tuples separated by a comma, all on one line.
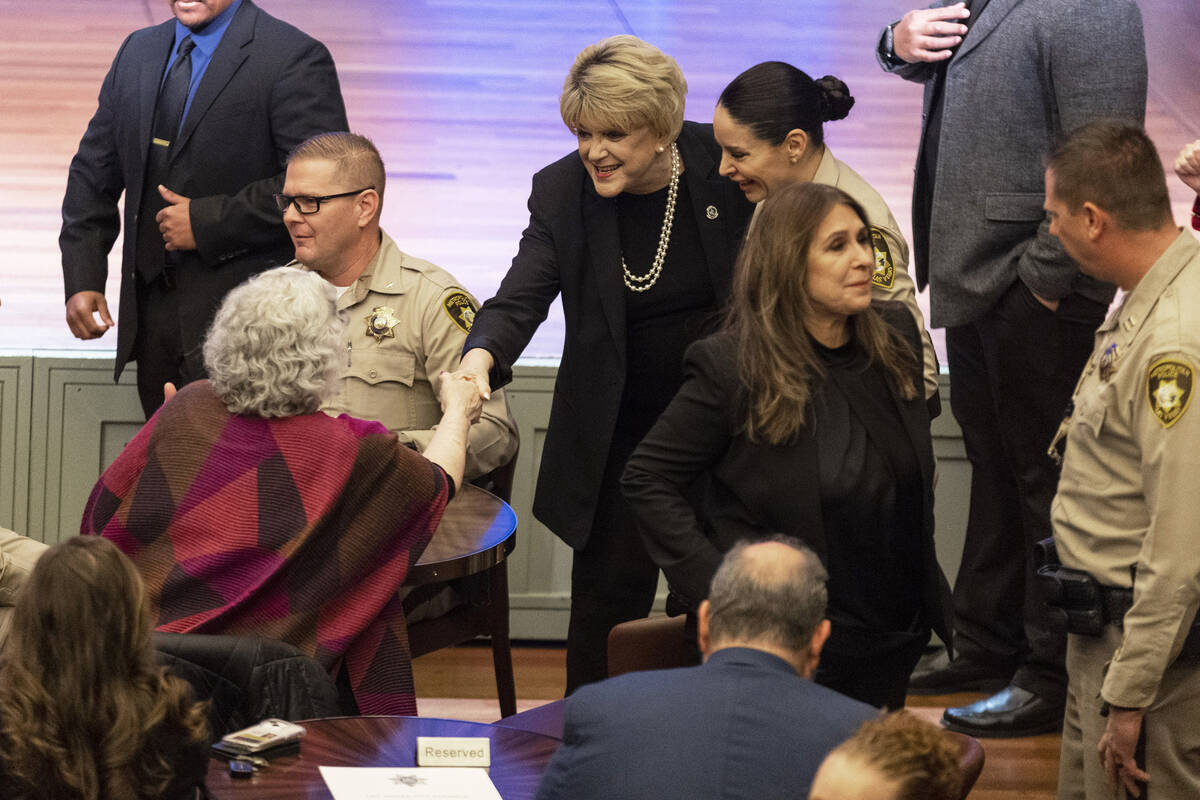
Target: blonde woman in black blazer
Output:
[(806, 416), (643, 182)]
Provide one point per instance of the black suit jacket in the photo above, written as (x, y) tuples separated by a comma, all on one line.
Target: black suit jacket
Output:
[(743, 725), (267, 88), (753, 490), (572, 247)]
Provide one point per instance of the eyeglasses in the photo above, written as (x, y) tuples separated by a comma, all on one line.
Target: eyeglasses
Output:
[(310, 205)]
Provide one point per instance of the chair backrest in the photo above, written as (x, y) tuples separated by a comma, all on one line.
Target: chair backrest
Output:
[(970, 759), (248, 678), (500, 480), (651, 643)]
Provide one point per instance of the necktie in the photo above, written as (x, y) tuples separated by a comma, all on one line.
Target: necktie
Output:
[(168, 114)]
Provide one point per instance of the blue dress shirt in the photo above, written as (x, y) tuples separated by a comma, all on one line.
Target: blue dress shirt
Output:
[(206, 39)]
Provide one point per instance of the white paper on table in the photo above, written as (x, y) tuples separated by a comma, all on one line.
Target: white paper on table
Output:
[(409, 783)]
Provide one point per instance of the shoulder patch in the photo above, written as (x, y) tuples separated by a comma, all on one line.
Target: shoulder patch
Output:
[(460, 310), (1169, 389), (885, 270)]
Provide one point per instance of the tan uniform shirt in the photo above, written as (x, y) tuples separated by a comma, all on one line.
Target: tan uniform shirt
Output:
[(407, 321), (891, 280), (1129, 494), (18, 554)]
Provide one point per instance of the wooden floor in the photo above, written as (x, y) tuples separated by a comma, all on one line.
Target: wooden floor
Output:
[(461, 97), (458, 683)]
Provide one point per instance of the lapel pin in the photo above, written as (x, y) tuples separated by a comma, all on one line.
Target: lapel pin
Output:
[(711, 212)]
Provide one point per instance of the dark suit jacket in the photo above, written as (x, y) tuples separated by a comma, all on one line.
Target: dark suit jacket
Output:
[(1023, 76), (268, 87), (572, 248), (753, 490), (743, 725)]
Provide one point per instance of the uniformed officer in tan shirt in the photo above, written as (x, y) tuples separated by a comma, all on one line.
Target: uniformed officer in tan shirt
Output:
[(407, 319), (1127, 510)]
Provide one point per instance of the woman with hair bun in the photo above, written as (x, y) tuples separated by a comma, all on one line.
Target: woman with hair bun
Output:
[(769, 123)]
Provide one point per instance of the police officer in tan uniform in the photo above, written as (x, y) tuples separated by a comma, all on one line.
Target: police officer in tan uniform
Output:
[(1126, 515), (407, 319)]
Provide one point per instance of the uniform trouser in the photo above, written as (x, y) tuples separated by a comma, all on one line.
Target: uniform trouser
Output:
[(1012, 373), (1169, 751), (613, 579), (159, 345), (18, 554)]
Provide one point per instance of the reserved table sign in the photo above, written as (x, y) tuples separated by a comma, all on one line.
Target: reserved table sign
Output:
[(408, 783), (454, 751)]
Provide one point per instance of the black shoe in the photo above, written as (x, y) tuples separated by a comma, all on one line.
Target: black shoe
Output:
[(1009, 713), (942, 676)]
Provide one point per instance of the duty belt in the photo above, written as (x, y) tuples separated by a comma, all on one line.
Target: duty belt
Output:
[(1090, 605)]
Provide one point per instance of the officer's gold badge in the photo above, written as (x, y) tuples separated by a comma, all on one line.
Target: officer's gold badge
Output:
[(885, 270), (1169, 389), (381, 323), (458, 307)]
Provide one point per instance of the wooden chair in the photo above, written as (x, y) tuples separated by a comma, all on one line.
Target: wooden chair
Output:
[(970, 759), (484, 610), (651, 643)]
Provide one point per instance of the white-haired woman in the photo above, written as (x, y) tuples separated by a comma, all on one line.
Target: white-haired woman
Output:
[(247, 510), (637, 232)]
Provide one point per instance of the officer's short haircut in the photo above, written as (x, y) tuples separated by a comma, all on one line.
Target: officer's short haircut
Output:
[(1115, 166), (358, 161), (775, 600)]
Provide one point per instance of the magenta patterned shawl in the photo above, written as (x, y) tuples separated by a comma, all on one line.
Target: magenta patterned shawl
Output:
[(298, 529)]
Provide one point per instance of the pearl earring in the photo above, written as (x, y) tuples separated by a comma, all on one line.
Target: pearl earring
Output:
[(661, 149)]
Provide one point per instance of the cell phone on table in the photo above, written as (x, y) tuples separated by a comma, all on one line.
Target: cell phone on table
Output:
[(267, 739)]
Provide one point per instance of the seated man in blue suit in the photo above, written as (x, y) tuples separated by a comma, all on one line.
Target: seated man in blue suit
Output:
[(748, 723)]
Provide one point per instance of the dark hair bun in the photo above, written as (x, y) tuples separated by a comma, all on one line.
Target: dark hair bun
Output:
[(836, 100)]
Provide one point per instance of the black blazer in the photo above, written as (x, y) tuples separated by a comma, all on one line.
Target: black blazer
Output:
[(268, 87), (753, 490), (572, 248)]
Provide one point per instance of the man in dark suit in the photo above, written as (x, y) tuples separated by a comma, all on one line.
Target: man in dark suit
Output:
[(196, 118), (1003, 80), (747, 723)]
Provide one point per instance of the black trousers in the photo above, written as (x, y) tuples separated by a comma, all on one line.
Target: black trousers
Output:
[(613, 579), (158, 347), (1012, 373), (871, 667)]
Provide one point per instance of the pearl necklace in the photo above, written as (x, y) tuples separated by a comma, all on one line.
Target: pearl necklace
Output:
[(641, 283)]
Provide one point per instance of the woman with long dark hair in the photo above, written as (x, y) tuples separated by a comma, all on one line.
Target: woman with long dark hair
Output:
[(804, 416), (85, 711), (769, 122)]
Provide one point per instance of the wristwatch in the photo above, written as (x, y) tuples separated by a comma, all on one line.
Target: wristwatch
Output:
[(887, 47)]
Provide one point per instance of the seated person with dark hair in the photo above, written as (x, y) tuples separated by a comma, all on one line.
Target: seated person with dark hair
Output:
[(746, 723), (85, 711)]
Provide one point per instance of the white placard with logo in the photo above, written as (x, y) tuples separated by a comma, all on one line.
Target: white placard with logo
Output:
[(409, 783)]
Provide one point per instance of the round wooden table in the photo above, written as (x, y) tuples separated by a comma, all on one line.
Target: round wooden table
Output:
[(475, 534), (518, 757)]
